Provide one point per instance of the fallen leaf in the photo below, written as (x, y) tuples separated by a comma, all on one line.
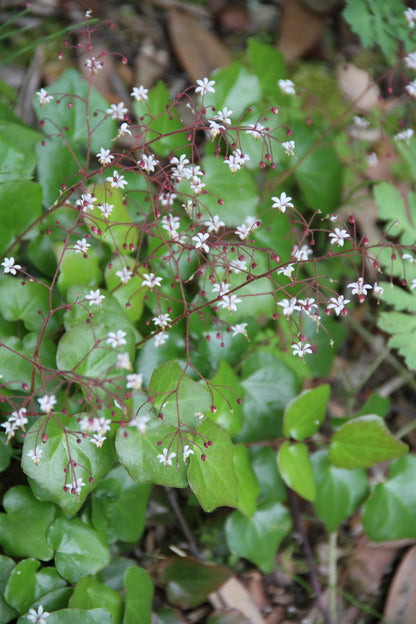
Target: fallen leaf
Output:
[(358, 87), (233, 595), (300, 30), (401, 599)]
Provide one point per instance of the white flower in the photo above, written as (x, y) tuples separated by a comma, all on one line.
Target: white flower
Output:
[(240, 328), (359, 288), (214, 129), (338, 237), (360, 122), (104, 156), (308, 305), (101, 425), (151, 281), (240, 157), (116, 339), (255, 130), (86, 202), (86, 424), (10, 428), (123, 361), (117, 111), (287, 86), (222, 288), (224, 116), (205, 86), (413, 284), (171, 224), (79, 484), (214, 224), (125, 275), (410, 15), (199, 241), (282, 202), (47, 403), (167, 199), (289, 306), (81, 246), (410, 60), (229, 302), (300, 349), (165, 457), (233, 162), (243, 231), (411, 88), (135, 381), (98, 439), (162, 320), (286, 270), (148, 163), (186, 452), (378, 290), (139, 93), (301, 253), (197, 186), (10, 266), (124, 129), (117, 180), (372, 159), (94, 297), (404, 135), (37, 617), (93, 64), (19, 417), (106, 209), (338, 305), (44, 97), (289, 147), (409, 257), (35, 456), (160, 339), (238, 265), (140, 422)]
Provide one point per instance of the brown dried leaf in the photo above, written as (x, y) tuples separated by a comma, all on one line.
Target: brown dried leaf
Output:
[(233, 595), (357, 86), (300, 30), (401, 600), (198, 50)]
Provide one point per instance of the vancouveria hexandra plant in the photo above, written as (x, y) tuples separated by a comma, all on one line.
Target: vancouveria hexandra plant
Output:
[(142, 284)]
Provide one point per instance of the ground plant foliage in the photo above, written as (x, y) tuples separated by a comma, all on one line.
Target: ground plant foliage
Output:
[(178, 275)]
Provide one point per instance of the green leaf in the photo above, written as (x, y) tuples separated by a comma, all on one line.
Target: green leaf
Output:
[(189, 582), (61, 446), (117, 230), (248, 488), (235, 88), (363, 442), (138, 453), (75, 269), (17, 356), (20, 139), (305, 414), (229, 413), (131, 295), (258, 538), (23, 511), (80, 550), (6, 452), (119, 506), (25, 197), (109, 313), (268, 386), (339, 492), (28, 302), (76, 616), (263, 461), (176, 395), (139, 596), (268, 63), (296, 469), (213, 481), (26, 584), (90, 594), (113, 574), (7, 612), (389, 514)]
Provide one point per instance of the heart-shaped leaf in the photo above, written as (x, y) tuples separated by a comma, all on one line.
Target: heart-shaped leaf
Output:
[(304, 414), (296, 469)]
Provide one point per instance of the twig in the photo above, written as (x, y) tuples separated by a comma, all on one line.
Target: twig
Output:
[(171, 494), (332, 578), (308, 553)]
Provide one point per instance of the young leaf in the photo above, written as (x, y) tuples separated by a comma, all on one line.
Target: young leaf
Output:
[(258, 538), (91, 594), (305, 414), (139, 596), (363, 442), (296, 469), (190, 582)]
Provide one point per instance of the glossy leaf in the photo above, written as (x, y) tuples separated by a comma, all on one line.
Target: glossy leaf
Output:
[(229, 413), (268, 63), (75, 269), (236, 88), (80, 550), (27, 584), (296, 469), (305, 414), (188, 582), (339, 492), (117, 230), (213, 481), (258, 538), (23, 511), (139, 596), (28, 302), (49, 473), (130, 295), (6, 452), (389, 513), (109, 313), (7, 612), (248, 488), (76, 616), (263, 461), (26, 196), (91, 594), (363, 442)]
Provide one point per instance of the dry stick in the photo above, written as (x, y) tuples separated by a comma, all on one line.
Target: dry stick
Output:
[(171, 494), (308, 553)]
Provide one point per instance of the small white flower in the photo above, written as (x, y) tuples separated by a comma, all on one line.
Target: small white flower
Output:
[(214, 224), (162, 320), (197, 186), (167, 199), (256, 130), (124, 129), (139, 93), (199, 241), (86, 202), (79, 484), (238, 265), (409, 257), (224, 116), (205, 86), (378, 290), (410, 15), (233, 162), (98, 439), (160, 339), (10, 266), (104, 156), (106, 209), (101, 425), (240, 157), (37, 617), (123, 361), (93, 64), (35, 456), (10, 428), (47, 403), (338, 237), (413, 284), (287, 86), (240, 328), (360, 122), (411, 88), (44, 97), (410, 60), (148, 163), (372, 159), (140, 422), (289, 306), (116, 339), (286, 270), (338, 305), (166, 458), (19, 417), (214, 129), (88, 14), (301, 254), (243, 231), (94, 297), (300, 349), (186, 452), (117, 180), (222, 288), (404, 135), (289, 147), (282, 202), (359, 288), (81, 246), (151, 280), (125, 275), (229, 302), (117, 111), (86, 424), (134, 381)]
